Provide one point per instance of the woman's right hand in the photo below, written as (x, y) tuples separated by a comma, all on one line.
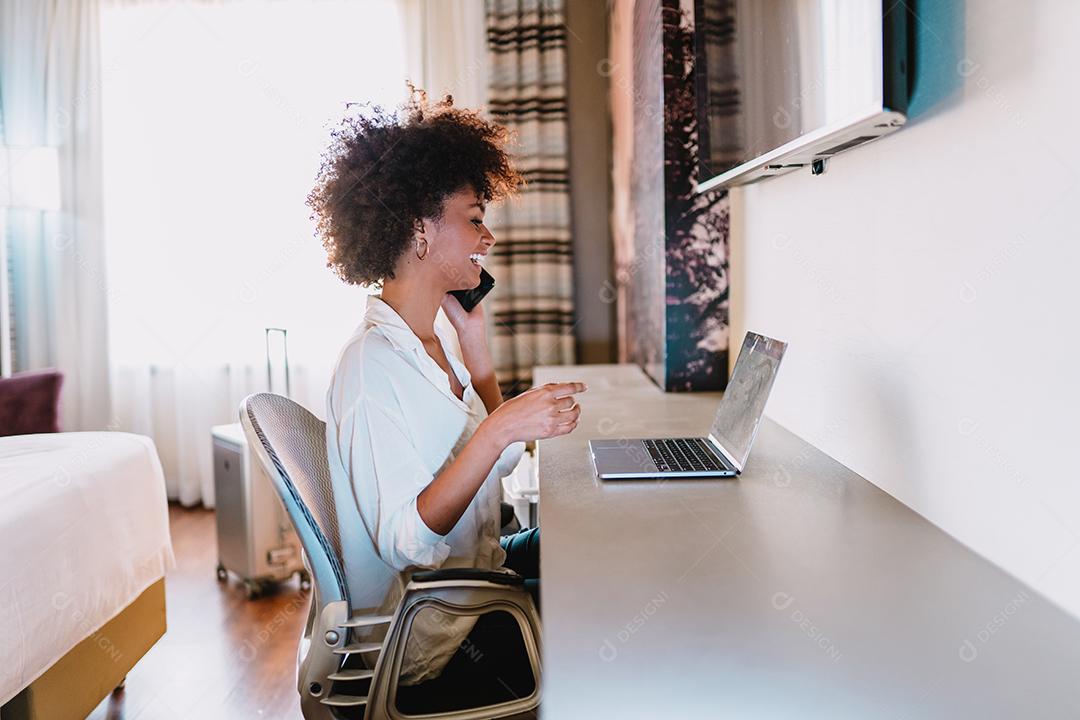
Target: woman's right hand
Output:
[(546, 411)]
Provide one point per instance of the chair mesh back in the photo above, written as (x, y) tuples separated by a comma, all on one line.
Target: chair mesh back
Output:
[(295, 440)]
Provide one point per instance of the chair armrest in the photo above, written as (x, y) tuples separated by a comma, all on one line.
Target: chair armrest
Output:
[(459, 592), (459, 574)]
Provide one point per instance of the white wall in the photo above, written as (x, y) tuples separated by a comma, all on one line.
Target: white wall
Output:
[(929, 287)]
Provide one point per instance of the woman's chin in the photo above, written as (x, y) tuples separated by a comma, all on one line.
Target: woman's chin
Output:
[(473, 277)]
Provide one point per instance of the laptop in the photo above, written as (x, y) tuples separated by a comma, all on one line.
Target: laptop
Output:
[(724, 452)]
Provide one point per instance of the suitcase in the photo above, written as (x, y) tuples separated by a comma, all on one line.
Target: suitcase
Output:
[(255, 537)]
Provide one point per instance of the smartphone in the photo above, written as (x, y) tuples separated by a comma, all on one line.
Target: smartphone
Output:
[(471, 298)]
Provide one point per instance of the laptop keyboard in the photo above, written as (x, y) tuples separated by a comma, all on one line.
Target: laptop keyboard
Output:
[(682, 455)]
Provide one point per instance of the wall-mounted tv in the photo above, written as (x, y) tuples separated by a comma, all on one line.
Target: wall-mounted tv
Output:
[(788, 84)]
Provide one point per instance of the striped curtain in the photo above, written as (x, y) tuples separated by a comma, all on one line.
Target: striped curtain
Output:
[(533, 320)]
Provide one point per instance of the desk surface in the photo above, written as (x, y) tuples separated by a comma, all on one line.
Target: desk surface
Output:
[(798, 590)]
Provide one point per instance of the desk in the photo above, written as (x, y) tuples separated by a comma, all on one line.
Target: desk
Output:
[(798, 590)]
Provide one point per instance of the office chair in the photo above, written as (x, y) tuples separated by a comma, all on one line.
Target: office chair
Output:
[(343, 670)]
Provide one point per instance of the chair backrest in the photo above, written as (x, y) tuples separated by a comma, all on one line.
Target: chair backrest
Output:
[(30, 402), (291, 444)]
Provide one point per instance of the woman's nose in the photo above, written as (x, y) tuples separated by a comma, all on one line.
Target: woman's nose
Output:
[(487, 237)]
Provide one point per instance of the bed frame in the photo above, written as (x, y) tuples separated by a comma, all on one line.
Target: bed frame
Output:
[(81, 679)]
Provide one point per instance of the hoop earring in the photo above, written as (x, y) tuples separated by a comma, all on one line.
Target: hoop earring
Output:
[(418, 255)]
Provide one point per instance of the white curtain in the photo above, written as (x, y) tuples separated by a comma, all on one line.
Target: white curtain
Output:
[(446, 48), (50, 94), (446, 54), (215, 118)]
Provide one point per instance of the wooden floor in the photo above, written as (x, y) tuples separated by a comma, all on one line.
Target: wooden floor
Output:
[(223, 656)]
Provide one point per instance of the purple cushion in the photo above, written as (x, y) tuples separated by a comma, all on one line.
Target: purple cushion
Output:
[(30, 402)]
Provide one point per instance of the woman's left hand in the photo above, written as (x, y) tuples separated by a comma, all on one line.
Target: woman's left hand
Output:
[(469, 325)]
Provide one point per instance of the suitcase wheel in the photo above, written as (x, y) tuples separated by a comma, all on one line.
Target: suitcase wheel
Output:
[(253, 589)]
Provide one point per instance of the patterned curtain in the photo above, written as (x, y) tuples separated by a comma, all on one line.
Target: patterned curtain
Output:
[(532, 301)]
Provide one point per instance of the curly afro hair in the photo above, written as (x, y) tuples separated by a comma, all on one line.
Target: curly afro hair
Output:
[(382, 172)]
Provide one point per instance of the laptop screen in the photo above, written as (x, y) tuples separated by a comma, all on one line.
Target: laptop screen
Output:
[(743, 404)]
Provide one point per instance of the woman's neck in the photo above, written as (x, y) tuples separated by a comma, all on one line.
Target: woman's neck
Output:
[(416, 302)]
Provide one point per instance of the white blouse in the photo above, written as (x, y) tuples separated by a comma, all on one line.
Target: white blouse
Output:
[(392, 425)]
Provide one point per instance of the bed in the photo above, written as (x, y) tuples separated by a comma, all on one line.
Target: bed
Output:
[(84, 545)]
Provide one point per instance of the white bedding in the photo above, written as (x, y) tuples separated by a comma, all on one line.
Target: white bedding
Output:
[(84, 529)]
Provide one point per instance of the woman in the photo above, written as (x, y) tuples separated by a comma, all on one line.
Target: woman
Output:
[(422, 437)]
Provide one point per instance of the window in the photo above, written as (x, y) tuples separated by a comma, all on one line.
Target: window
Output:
[(215, 117)]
